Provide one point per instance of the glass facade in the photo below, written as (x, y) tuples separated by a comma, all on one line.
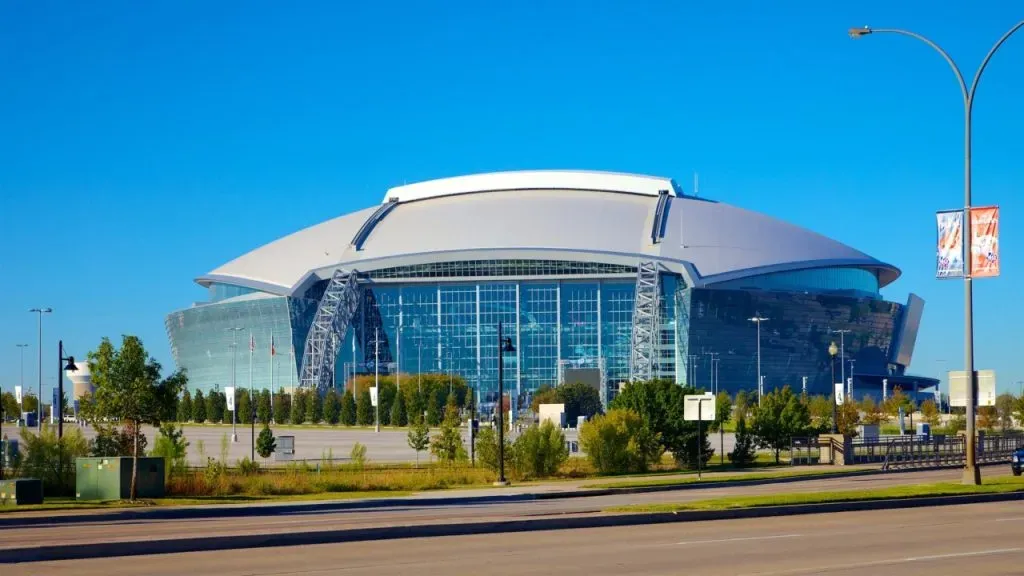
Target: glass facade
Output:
[(555, 322)]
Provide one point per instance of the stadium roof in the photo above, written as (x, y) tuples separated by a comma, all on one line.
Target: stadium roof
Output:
[(549, 215)]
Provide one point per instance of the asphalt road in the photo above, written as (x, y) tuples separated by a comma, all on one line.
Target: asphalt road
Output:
[(259, 520), (979, 539)]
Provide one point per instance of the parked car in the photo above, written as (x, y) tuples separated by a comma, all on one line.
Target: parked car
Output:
[(1017, 462)]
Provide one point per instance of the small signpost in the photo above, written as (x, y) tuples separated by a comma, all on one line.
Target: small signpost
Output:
[(699, 408)]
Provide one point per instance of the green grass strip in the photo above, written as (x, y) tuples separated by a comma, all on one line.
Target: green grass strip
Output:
[(995, 485), (652, 482)]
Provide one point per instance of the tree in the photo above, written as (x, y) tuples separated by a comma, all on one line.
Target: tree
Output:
[(820, 409), (487, 449), (128, 387), (1018, 410), (364, 408), (659, 403), (398, 417), (199, 408), (544, 395), (742, 404), (779, 418), (469, 403), (619, 442), (873, 413), (332, 407), (743, 453), (987, 417), (1004, 411), (540, 451), (215, 406), (930, 412), (894, 402), (185, 407), (723, 411), (266, 443), (243, 406), (386, 398), (263, 406), (419, 438), (447, 444), (282, 407), (580, 400), (348, 409), (314, 407), (298, 412), (173, 448), (114, 442), (434, 409), (849, 418)]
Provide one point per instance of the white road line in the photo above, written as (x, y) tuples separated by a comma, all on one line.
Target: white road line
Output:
[(747, 539), (1018, 519), (889, 562), (963, 554)]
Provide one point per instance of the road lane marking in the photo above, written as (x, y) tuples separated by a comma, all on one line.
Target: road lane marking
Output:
[(963, 554), (746, 539), (1009, 519), (889, 562)]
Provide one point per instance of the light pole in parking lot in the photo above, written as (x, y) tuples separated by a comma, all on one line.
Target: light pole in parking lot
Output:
[(832, 351), (504, 345), (234, 353), (757, 319), (972, 475)]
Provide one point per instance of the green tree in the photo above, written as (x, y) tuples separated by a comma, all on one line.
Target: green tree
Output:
[(744, 451), (447, 444), (332, 407), (1018, 410), (282, 407), (9, 405), (779, 418), (620, 442), (820, 409), (873, 413), (580, 400), (348, 409), (1004, 411), (930, 412), (434, 409), (199, 408), (298, 412), (386, 398), (469, 403), (660, 404), (742, 404), (263, 406), (540, 451), (849, 418), (895, 401), (364, 408), (128, 387), (243, 406), (314, 407), (723, 411), (419, 438), (398, 417), (215, 406), (185, 407), (266, 443), (544, 395)]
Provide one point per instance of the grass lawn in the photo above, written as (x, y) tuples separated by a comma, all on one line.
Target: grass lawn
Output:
[(999, 484), (787, 473), (53, 504)]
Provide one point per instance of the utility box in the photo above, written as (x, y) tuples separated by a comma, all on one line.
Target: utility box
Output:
[(111, 478), (21, 492), (285, 450)]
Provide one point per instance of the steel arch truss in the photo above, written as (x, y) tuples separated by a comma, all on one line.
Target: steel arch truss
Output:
[(645, 322), (333, 316)]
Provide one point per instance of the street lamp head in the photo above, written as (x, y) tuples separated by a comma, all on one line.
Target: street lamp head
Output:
[(42, 310), (833, 349), (506, 345), (71, 364), (859, 32)]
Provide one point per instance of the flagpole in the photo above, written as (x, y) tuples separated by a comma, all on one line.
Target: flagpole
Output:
[(271, 416)]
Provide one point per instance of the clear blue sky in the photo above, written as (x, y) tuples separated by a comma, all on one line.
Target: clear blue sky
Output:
[(143, 144)]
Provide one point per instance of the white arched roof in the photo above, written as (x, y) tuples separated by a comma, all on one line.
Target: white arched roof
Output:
[(553, 215)]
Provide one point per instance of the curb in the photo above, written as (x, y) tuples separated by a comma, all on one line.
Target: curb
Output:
[(207, 544), (242, 510)]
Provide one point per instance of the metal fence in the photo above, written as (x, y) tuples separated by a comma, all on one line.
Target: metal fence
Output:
[(909, 451)]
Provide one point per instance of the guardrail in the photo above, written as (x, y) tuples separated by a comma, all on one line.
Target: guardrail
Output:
[(906, 451)]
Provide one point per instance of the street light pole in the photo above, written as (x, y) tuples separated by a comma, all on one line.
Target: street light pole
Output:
[(971, 474), (376, 379), (234, 353), (21, 349), (504, 345), (832, 351), (39, 398), (842, 353), (757, 319)]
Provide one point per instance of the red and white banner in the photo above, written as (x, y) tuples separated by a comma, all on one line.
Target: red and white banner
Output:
[(273, 351), (984, 242)]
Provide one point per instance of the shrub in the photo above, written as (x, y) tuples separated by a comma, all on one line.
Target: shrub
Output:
[(743, 453), (348, 409), (266, 443), (540, 451), (659, 403), (247, 467), (113, 441), (52, 460), (398, 415), (199, 408), (620, 442), (298, 412), (364, 408), (487, 449), (358, 455), (332, 407), (282, 407), (173, 448), (448, 445)]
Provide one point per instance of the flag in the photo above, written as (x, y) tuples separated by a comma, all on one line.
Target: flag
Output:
[(252, 343), (950, 249), (272, 350), (984, 242)]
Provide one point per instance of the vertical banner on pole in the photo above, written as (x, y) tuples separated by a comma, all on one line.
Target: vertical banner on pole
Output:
[(984, 242), (950, 245)]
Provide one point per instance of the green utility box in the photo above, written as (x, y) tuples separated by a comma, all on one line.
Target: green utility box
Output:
[(21, 492), (111, 478)]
